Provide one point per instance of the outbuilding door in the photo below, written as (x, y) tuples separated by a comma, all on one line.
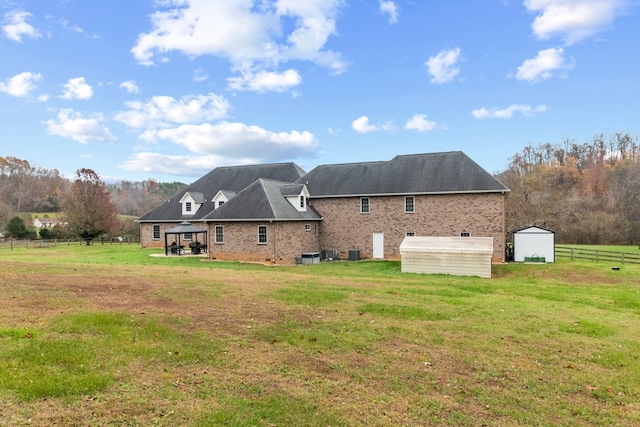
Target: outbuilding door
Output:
[(378, 245)]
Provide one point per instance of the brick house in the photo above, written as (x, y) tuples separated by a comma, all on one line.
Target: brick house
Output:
[(201, 197), (277, 212), (373, 206)]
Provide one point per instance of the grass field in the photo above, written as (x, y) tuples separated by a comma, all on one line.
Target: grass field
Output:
[(109, 335)]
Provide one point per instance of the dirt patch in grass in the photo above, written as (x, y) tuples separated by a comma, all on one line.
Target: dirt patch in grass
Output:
[(226, 346)]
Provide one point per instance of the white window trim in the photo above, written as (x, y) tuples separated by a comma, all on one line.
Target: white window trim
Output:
[(406, 198), (215, 234), (266, 235), (368, 199)]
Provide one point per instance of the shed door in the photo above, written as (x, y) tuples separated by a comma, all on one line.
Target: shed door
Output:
[(378, 245)]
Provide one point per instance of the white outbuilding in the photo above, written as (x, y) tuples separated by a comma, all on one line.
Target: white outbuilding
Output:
[(534, 244), (458, 256)]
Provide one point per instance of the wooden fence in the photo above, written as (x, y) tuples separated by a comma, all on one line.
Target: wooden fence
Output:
[(50, 243), (597, 255)]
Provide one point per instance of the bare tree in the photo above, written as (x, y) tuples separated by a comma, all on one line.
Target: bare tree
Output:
[(87, 206)]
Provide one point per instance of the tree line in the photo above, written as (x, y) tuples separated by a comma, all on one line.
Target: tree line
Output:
[(85, 205), (587, 193)]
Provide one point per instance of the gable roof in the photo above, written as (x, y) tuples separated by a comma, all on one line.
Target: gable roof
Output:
[(228, 178), (262, 200), (435, 173), (533, 229), (196, 196)]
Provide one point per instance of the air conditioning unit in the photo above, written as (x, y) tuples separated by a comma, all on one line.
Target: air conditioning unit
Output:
[(329, 254)]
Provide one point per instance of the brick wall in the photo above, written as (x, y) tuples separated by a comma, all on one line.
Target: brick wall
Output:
[(285, 241), (345, 228), (146, 234)]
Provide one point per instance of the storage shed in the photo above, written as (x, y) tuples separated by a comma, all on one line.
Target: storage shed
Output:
[(534, 244), (458, 256)]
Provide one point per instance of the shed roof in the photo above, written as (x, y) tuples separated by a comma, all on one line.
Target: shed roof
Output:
[(435, 173), (447, 244), (533, 229)]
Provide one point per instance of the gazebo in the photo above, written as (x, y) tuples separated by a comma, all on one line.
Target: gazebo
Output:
[(175, 247)]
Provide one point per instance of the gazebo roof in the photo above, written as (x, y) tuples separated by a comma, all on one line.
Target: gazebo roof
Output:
[(185, 227)]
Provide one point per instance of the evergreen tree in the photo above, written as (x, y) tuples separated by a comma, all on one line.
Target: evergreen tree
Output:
[(17, 229)]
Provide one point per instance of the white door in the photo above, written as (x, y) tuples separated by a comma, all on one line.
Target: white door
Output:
[(378, 245)]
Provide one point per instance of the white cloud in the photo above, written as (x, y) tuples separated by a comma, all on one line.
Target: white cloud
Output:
[(507, 113), (573, 20), (238, 141), (163, 110), (420, 123), (443, 66), (130, 86), (177, 165), (252, 35), (362, 125), (543, 66), (390, 8), (21, 84), (15, 26), (264, 81), (71, 124), (75, 28), (200, 75), (77, 89)]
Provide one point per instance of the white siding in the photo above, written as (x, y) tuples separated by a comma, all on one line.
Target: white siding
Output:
[(459, 256), (533, 241)]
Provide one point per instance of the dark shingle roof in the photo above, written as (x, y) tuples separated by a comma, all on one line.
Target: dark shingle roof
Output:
[(197, 196), (435, 173), (262, 200), (231, 178)]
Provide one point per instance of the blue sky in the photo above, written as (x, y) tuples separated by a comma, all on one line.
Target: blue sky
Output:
[(170, 89)]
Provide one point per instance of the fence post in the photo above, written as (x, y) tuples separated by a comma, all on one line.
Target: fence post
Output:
[(623, 258)]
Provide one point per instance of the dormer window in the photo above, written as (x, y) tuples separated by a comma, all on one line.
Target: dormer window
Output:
[(191, 202), (297, 195), (221, 197)]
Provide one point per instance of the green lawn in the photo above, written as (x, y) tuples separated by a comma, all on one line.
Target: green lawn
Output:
[(109, 335)]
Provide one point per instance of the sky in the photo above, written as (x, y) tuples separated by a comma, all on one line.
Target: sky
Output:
[(170, 89)]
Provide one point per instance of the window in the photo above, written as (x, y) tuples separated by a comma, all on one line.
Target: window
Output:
[(302, 202), (316, 229), (307, 227), (220, 203), (262, 234), (187, 236), (364, 205), (187, 207), (410, 234), (409, 204), (156, 231), (465, 234), (219, 232)]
